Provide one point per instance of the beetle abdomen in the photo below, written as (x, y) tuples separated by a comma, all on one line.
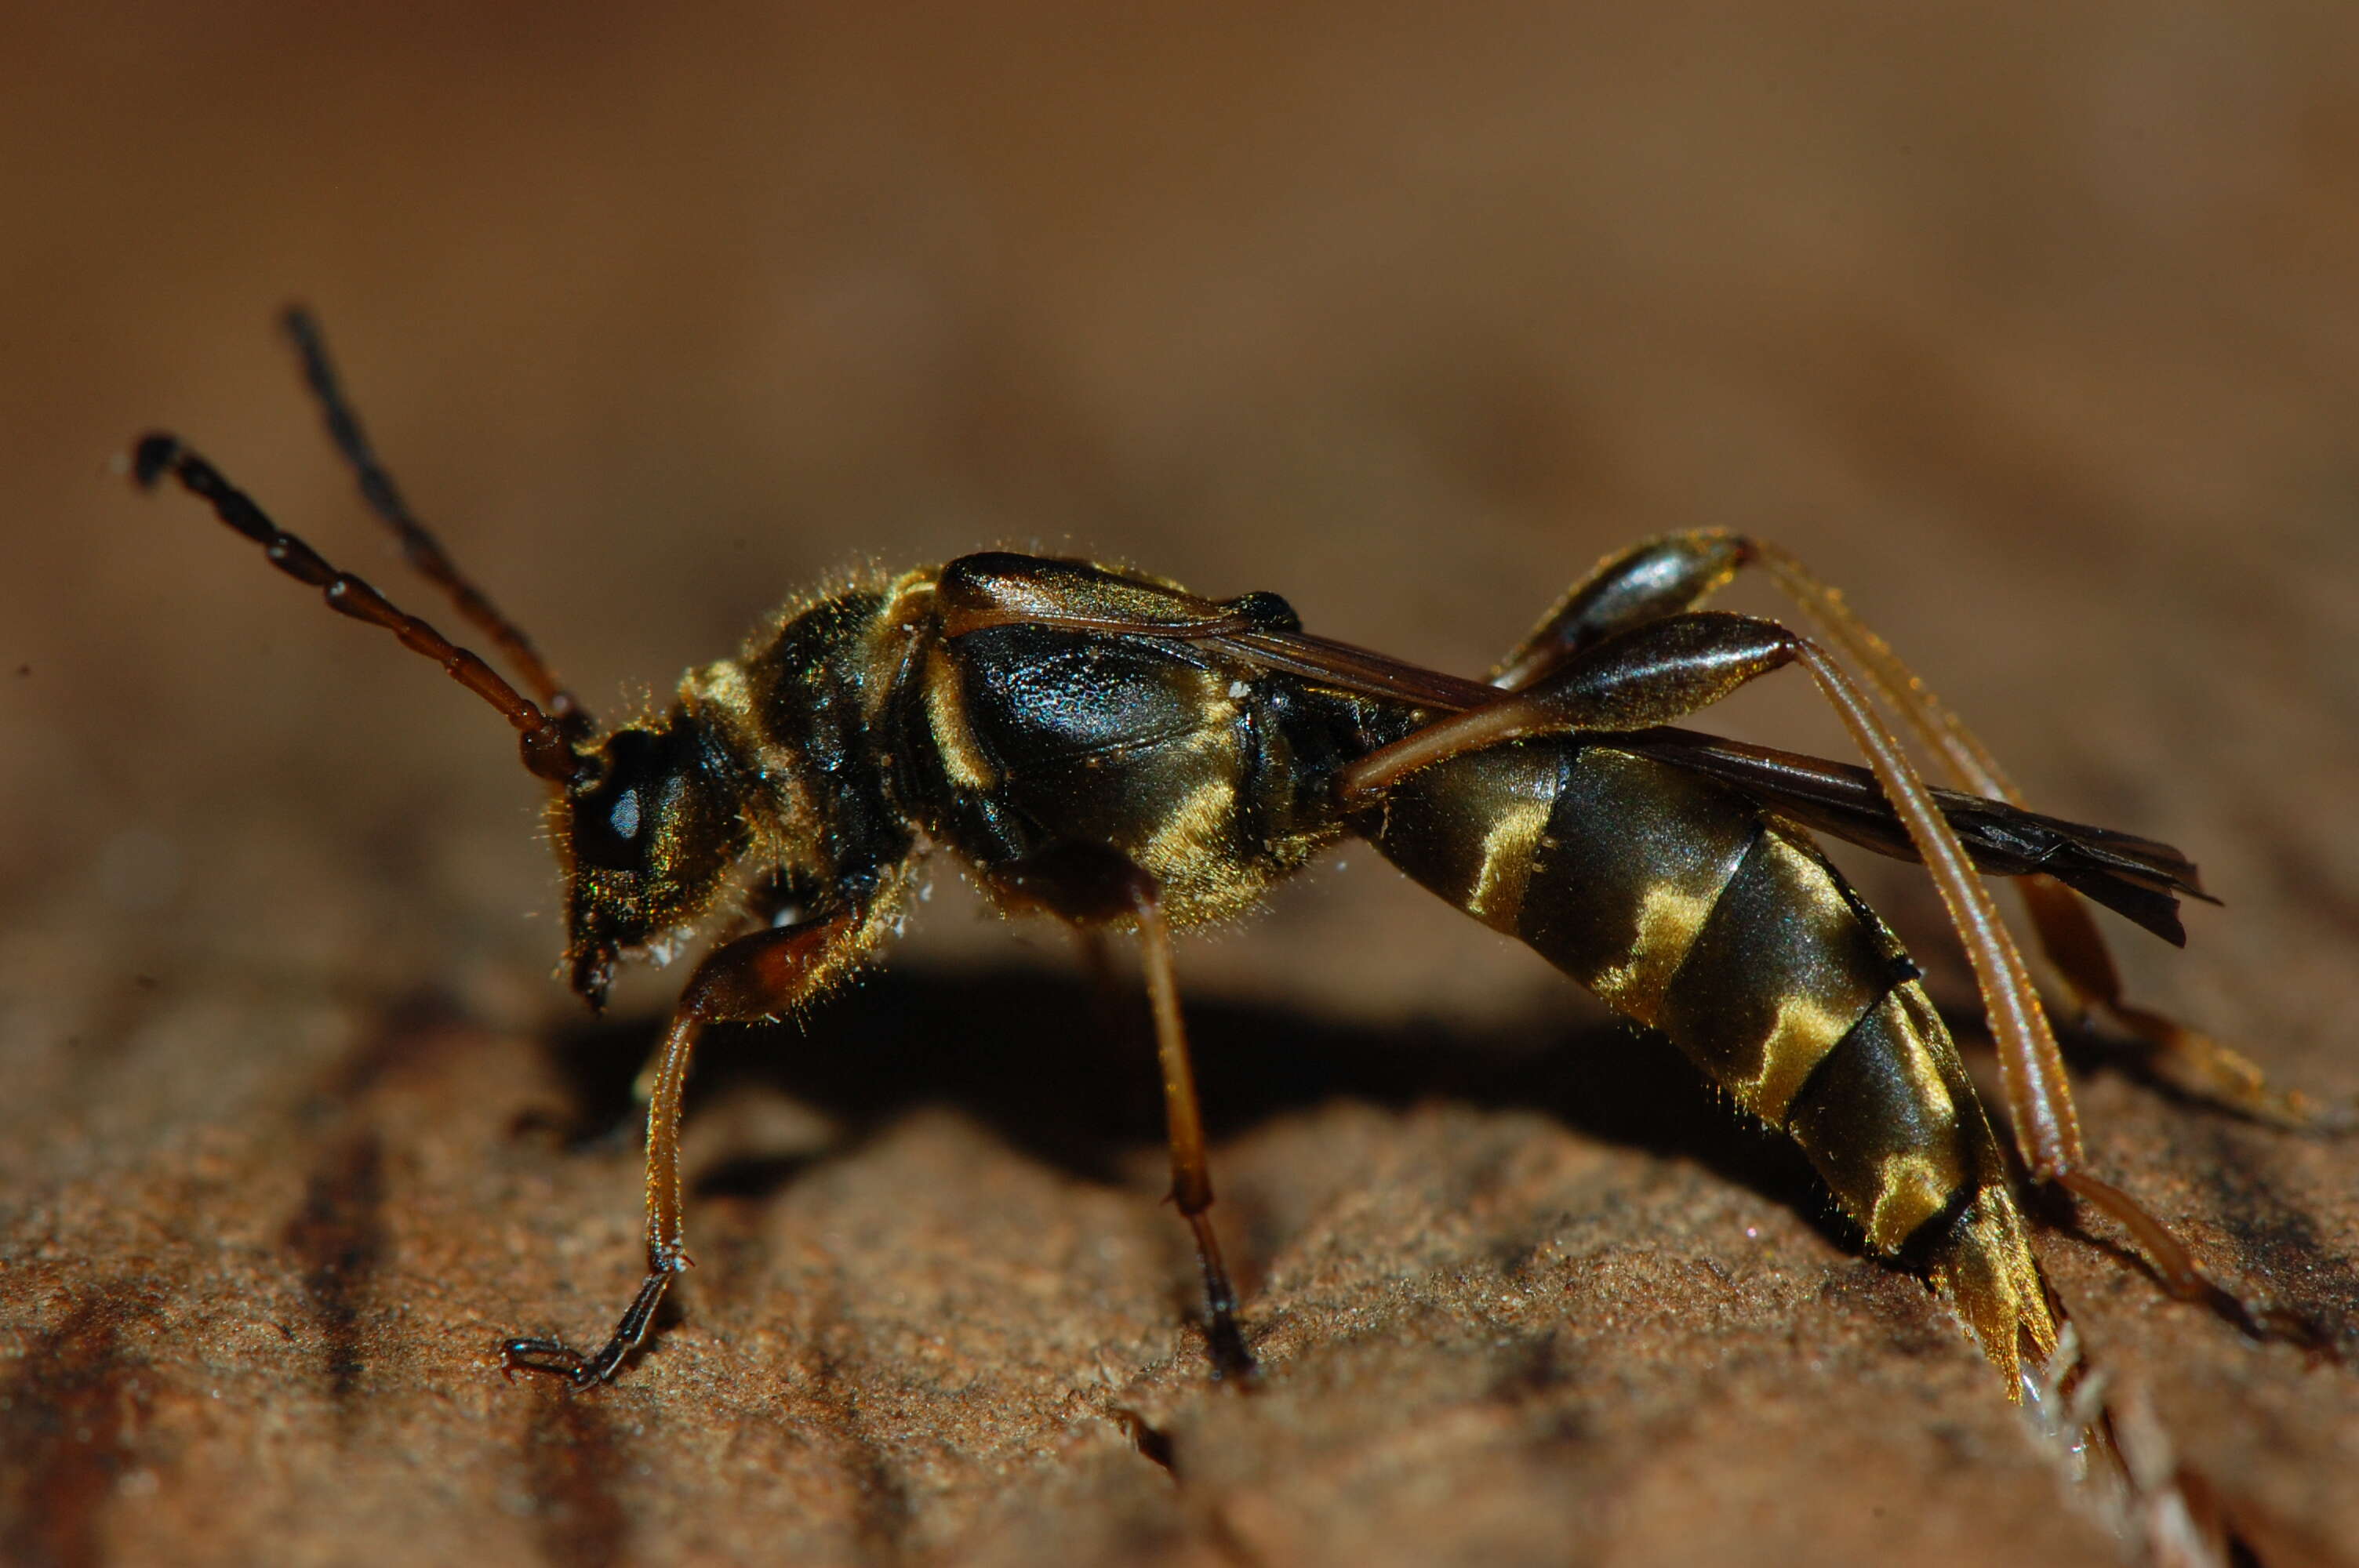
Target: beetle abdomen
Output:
[(1685, 907)]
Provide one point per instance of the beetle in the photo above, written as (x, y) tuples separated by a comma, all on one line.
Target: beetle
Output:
[(1110, 749)]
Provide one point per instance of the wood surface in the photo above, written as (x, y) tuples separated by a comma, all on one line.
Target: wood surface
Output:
[(2032, 326)]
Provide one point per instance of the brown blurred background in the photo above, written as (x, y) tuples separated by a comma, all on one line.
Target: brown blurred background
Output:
[(2034, 326)]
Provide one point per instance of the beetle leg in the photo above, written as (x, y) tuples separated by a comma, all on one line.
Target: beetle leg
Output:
[(2068, 934), (2070, 940), (1191, 1176), (1665, 669), (757, 976), (1648, 581), (1091, 885), (1662, 668), (1664, 576), (2194, 1061)]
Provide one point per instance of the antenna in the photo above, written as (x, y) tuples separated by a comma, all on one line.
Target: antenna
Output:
[(549, 753), (424, 551)]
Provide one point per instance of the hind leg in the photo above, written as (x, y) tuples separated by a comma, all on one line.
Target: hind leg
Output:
[(1655, 667), (1673, 575)]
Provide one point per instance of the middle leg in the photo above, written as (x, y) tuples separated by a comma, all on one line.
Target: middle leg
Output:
[(1090, 886)]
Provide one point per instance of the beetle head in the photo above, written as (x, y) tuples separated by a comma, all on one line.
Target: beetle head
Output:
[(647, 839)]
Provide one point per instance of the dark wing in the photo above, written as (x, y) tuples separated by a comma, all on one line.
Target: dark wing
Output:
[(2138, 879)]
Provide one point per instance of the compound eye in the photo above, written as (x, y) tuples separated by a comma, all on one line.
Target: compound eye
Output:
[(625, 817), (616, 819)]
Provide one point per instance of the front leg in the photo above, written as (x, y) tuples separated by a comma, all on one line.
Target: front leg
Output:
[(755, 978)]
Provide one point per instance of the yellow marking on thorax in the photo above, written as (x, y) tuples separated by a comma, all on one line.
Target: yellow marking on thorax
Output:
[(722, 694), (781, 813), (725, 689), (895, 632), (1192, 850), (1200, 822), (1195, 832), (1669, 922), (954, 739), (721, 685), (1497, 897)]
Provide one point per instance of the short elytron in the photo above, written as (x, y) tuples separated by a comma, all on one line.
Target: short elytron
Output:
[(1116, 751)]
